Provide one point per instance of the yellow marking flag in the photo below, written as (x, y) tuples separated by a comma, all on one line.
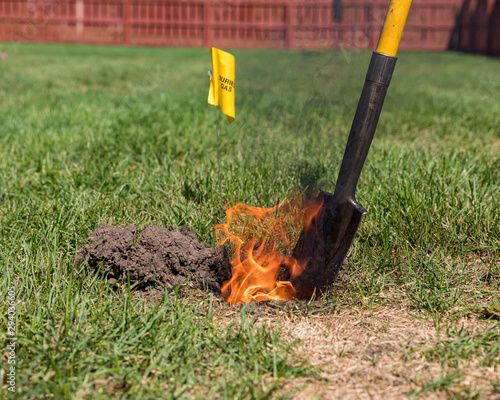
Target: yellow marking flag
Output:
[(221, 91)]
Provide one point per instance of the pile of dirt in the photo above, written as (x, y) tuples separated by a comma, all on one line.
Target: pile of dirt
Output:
[(158, 258)]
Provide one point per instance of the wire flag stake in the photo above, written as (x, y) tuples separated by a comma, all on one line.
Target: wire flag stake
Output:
[(221, 92)]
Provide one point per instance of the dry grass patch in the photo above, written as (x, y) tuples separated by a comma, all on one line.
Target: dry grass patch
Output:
[(390, 352)]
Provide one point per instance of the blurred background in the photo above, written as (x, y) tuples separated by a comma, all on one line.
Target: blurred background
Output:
[(464, 25)]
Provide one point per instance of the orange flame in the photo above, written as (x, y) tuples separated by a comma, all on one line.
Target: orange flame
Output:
[(261, 238)]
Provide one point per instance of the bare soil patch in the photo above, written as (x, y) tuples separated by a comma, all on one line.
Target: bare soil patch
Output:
[(157, 258)]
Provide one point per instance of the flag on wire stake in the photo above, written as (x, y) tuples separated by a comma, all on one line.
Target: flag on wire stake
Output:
[(221, 92), (222, 82)]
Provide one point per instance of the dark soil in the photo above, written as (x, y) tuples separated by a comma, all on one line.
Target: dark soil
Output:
[(158, 258)]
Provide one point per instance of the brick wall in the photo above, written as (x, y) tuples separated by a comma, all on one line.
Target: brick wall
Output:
[(469, 25)]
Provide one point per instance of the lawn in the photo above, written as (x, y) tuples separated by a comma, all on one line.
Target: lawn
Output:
[(92, 135)]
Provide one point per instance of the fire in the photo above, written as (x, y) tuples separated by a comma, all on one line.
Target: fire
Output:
[(262, 239)]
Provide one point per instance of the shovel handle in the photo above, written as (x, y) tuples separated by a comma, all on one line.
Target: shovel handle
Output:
[(371, 101), (394, 24)]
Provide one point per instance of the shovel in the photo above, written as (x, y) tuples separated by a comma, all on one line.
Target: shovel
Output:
[(324, 244)]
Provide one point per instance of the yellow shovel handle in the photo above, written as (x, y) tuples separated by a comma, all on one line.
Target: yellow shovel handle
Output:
[(394, 24)]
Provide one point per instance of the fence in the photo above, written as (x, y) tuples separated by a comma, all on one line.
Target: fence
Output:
[(294, 24), (478, 27)]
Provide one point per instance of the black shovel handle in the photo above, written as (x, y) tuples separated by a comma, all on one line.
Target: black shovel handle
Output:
[(364, 124)]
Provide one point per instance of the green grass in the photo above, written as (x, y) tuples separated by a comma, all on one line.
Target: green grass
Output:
[(125, 135)]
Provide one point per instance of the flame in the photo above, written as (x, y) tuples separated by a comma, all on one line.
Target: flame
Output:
[(261, 238)]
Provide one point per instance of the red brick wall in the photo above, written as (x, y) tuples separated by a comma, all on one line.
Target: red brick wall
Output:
[(470, 25)]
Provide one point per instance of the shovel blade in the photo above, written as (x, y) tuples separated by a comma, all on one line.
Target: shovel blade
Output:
[(323, 246)]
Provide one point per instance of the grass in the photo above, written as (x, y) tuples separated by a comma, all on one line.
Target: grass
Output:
[(124, 135)]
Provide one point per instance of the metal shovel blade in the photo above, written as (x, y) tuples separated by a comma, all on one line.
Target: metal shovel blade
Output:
[(323, 249)]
